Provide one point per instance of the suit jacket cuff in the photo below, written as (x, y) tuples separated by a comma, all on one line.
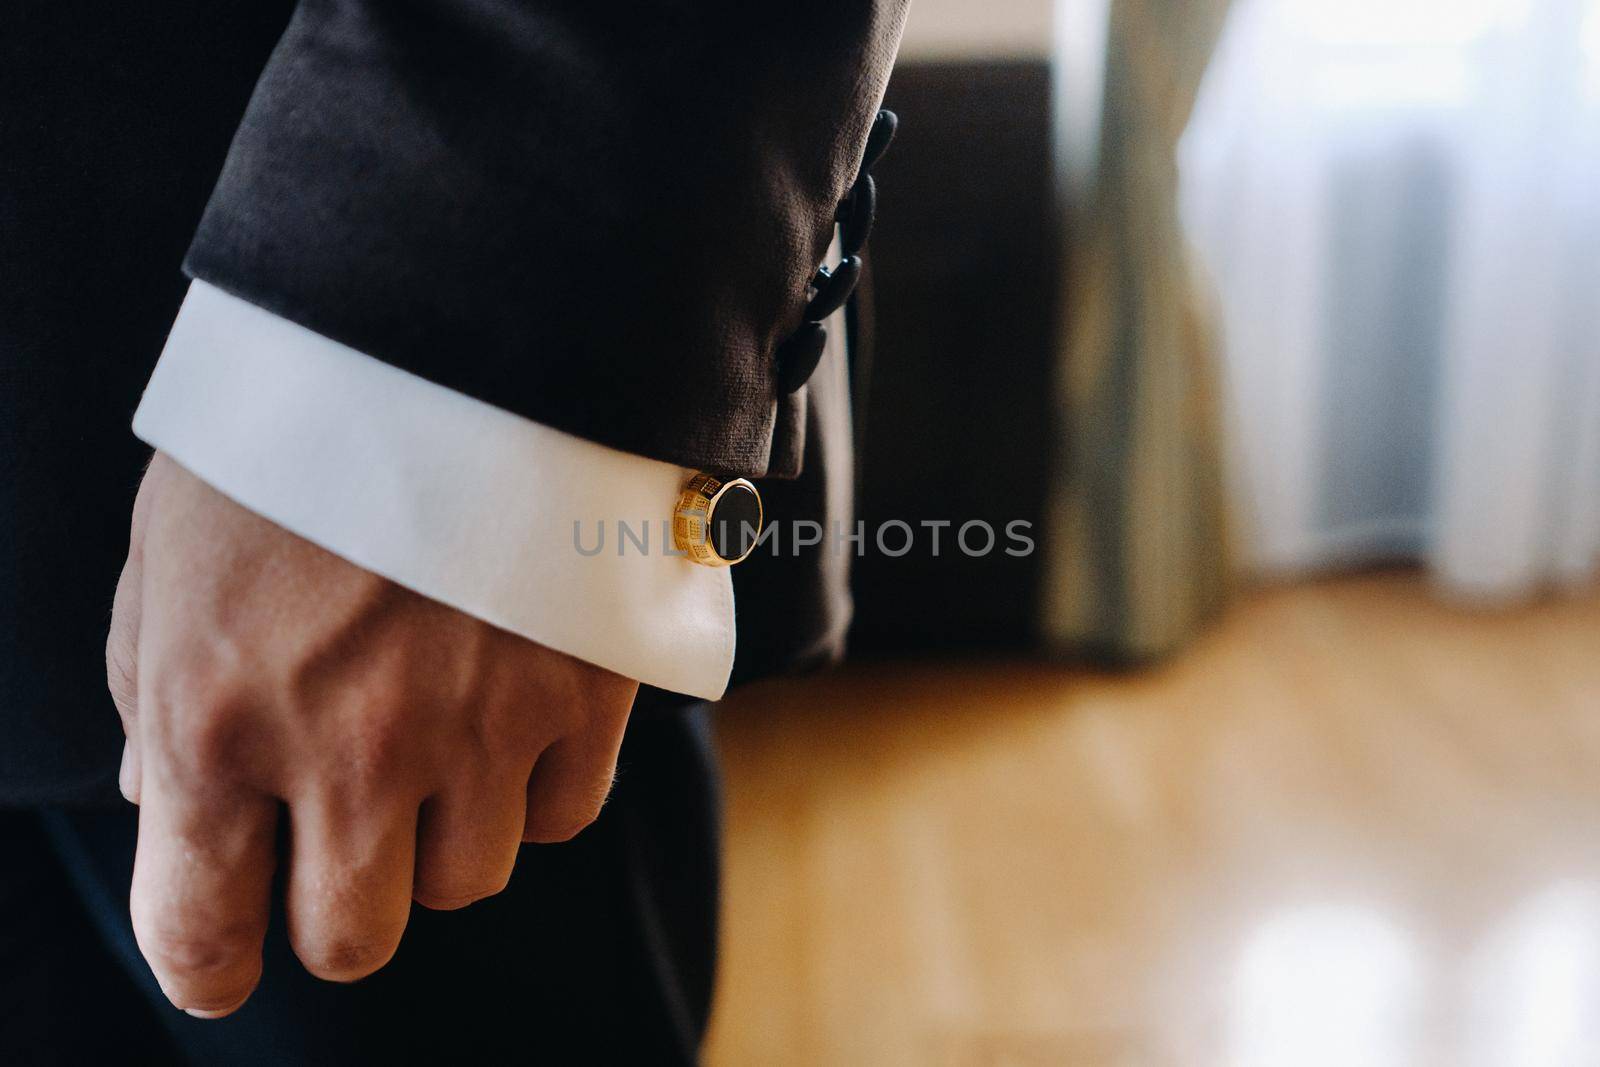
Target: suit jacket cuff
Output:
[(486, 511)]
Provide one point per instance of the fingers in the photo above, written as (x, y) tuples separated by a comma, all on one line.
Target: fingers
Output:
[(122, 671), (468, 841), (349, 891), (570, 783), (202, 880), (250, 665)]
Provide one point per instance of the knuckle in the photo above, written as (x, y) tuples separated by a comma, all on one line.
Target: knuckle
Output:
[(379, 749), (197, 970), (448, 899), (555, 832), (605, 695), (195, 687), (215, 743), (566, 820), (200, 671), (450, 891), (192, 957), (202, 719), (344, 958), (505, 729)]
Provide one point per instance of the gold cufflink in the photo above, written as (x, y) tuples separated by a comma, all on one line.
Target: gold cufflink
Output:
[(717, 523)]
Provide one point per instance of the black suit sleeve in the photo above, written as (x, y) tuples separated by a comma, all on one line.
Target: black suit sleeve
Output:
[(601, 216)]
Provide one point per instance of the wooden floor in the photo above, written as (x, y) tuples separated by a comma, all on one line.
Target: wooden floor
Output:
[(1352, 827)]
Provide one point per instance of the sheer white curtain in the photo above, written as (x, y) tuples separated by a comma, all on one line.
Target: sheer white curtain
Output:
[(1398, 203)]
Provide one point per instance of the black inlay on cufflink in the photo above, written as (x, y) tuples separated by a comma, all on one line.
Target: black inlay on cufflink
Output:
[(736, 523)]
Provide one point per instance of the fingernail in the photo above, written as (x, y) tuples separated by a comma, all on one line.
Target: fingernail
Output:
[(198, 1014), (215, 1013)]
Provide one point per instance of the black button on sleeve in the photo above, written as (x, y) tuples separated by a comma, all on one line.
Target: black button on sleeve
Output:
[(878, 139), (799, 355), (833, 288), (856, 212)]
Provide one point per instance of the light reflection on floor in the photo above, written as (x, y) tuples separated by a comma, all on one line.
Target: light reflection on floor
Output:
[(1324, 986), (1332, 984), (1353, 827), (1535, 984)]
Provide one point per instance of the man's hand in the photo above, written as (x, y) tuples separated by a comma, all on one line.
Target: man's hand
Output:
[(411, 746)]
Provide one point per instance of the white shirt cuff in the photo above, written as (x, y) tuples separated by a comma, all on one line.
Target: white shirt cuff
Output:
[(446, 495)]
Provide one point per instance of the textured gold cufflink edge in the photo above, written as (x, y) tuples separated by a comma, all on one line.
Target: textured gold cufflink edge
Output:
[(692, 518)]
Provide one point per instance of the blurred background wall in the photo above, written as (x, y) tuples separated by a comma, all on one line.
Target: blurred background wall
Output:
[(961, 30), (1346, 316), (1039, 355), (965, 264), (1399, 207)]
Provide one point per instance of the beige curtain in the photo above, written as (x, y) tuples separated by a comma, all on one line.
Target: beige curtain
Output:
[(1137, 548)]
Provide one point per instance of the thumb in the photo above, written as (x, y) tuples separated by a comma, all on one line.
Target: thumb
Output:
[(122, 659)]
